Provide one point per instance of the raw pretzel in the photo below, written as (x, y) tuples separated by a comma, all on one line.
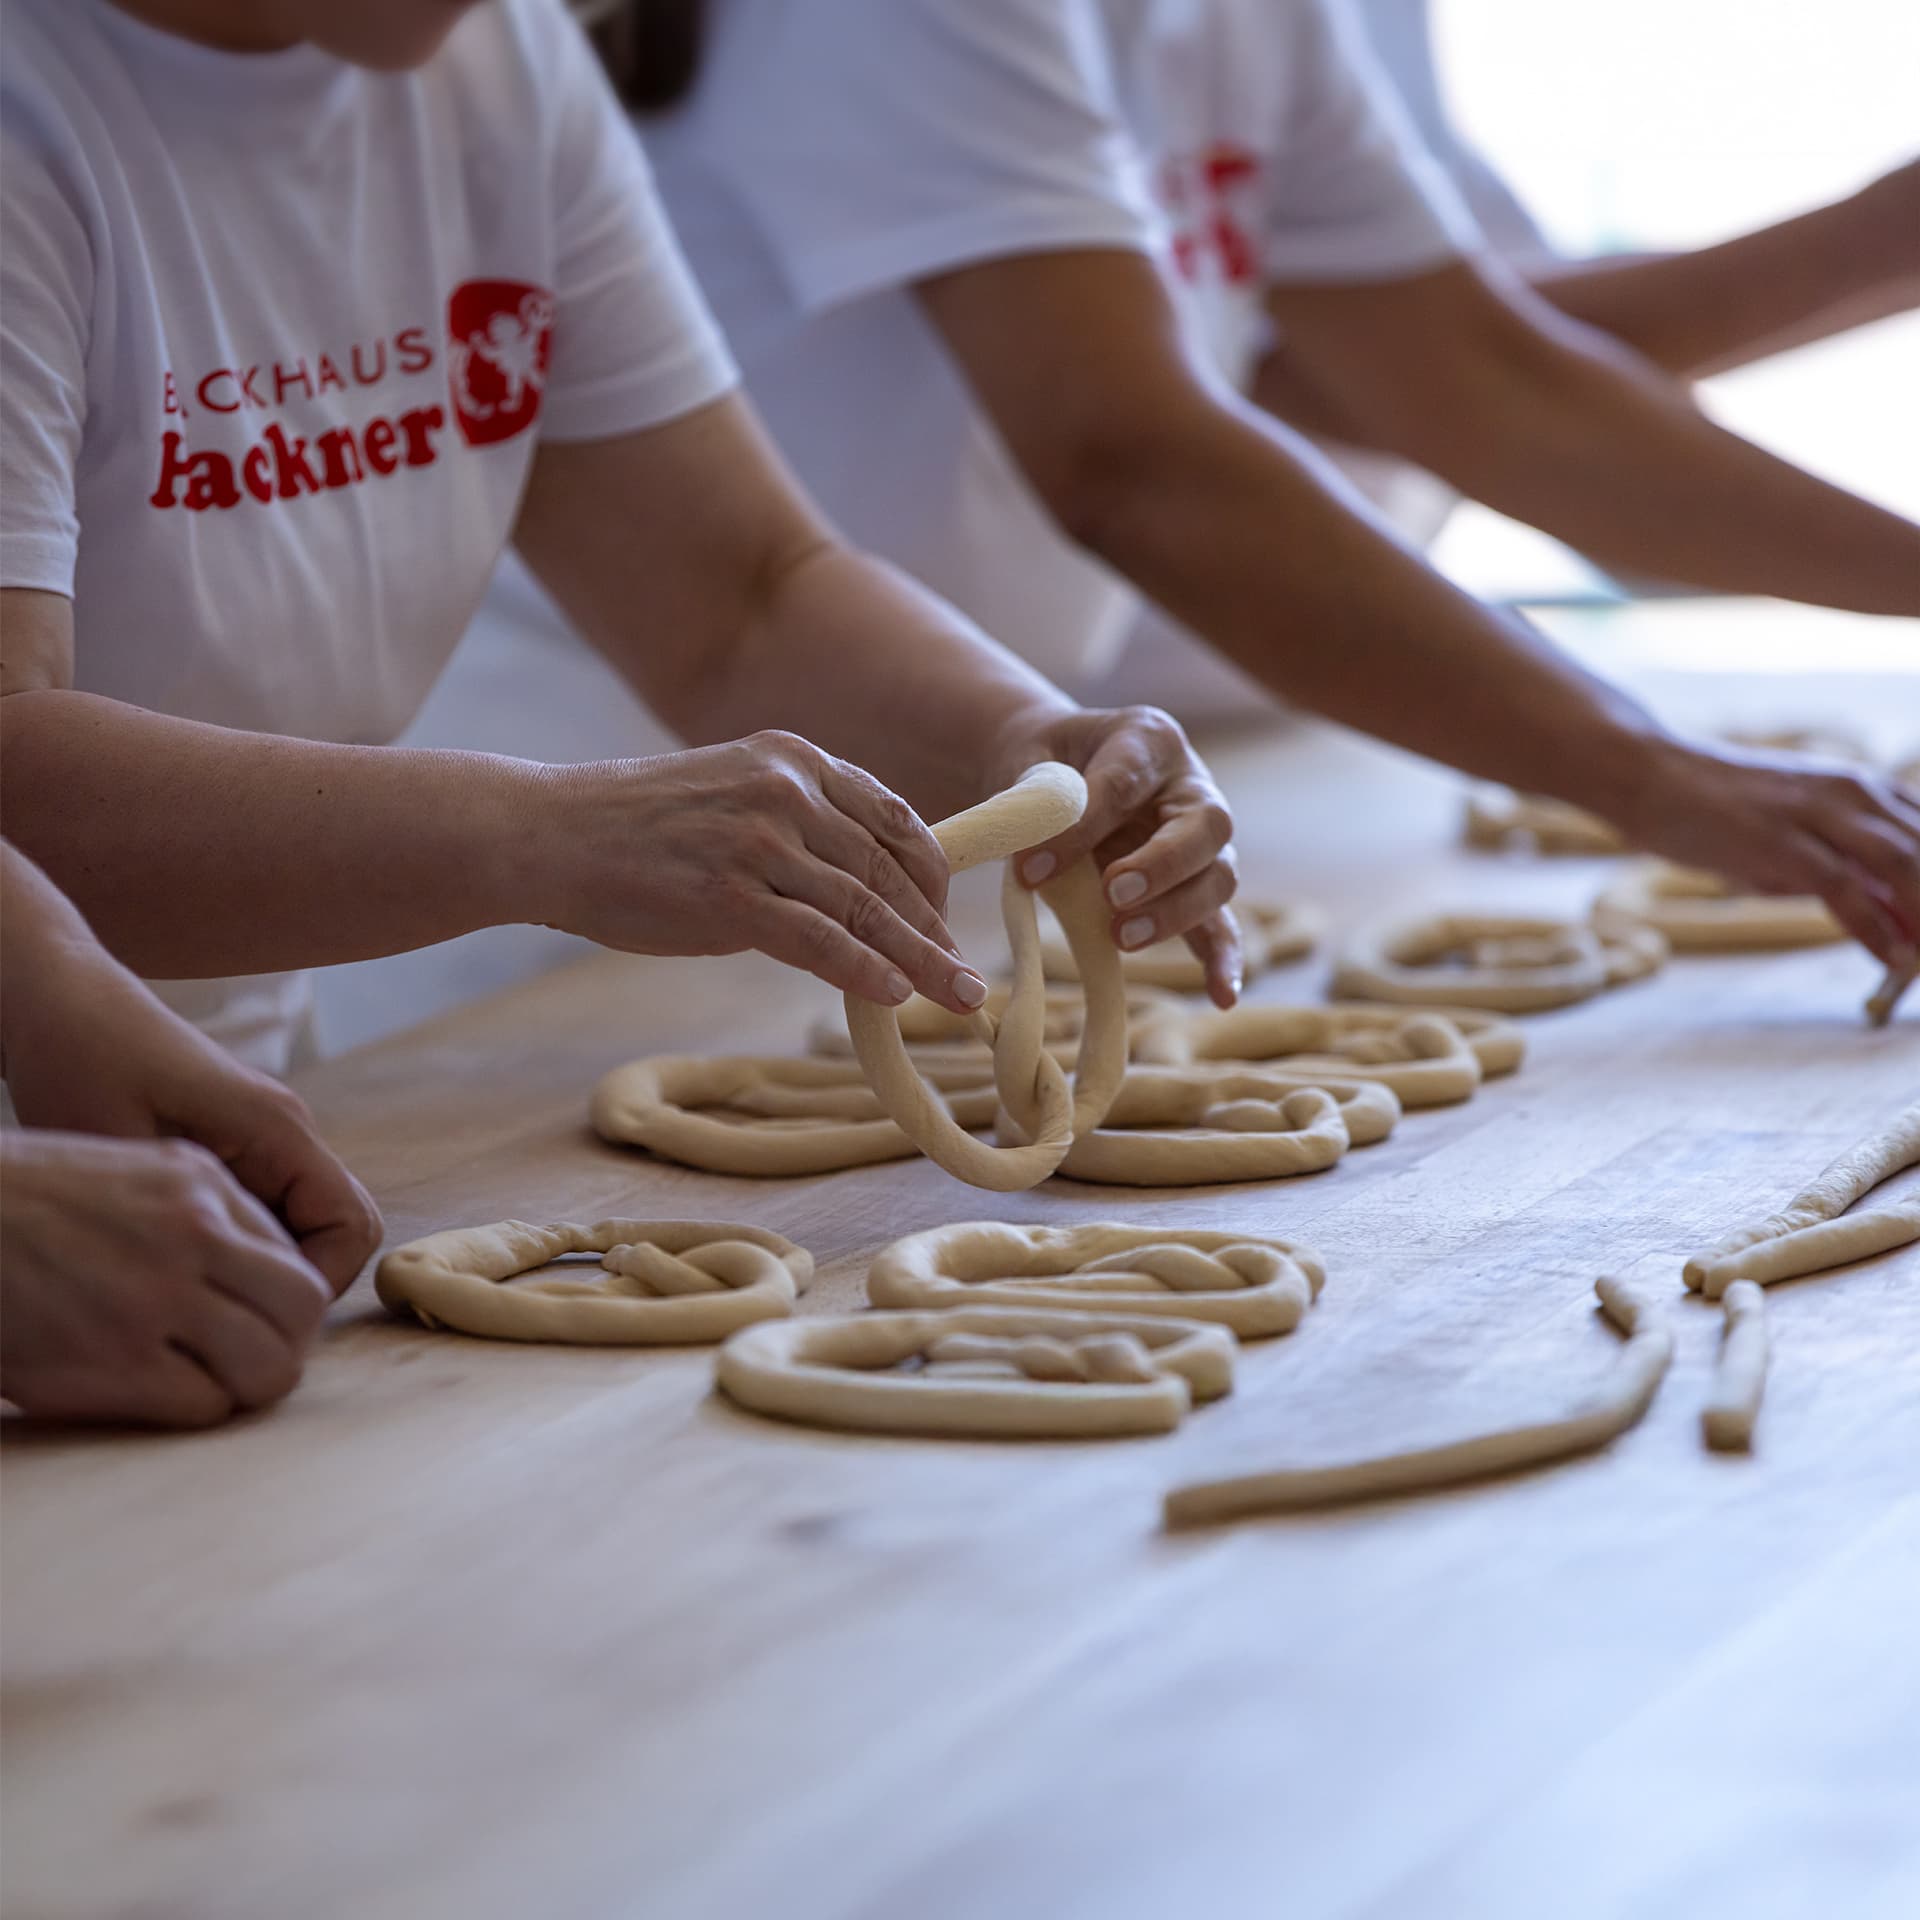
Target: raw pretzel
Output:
[(1740, 1376), (846, 1371), (1605, 1415), (1814, 1230), (1252, 1286), (1271, 933), (750, 1115), (1040, 1115), (1204, 1126), (665, 1283), (1699, 913), (1428, 1058), (1511, 963), (1498, 817)]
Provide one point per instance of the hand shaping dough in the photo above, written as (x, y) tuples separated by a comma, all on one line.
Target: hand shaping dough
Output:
[(1509, 962), (1204, 1126), (910, 1373), (1618, 1405), (1741, 1376), (1271, 933), (1698, 913), (1040, 1115), (1814, 1231), (754, 1116), (1499, 818), (666, 1283), (1254, 1287), (1425, 1059)]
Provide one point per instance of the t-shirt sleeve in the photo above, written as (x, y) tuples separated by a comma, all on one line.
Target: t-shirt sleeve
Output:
[(935, 133), (46, 279), (1354, 194), (633, 341)]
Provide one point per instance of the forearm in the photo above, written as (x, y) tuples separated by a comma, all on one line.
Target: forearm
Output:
[(862, 661), (1265, 553), (193, 850), (1698, 313), (1575, 436)]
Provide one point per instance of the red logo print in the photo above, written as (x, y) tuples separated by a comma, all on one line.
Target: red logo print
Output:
[(499, 337), (1212, 201)]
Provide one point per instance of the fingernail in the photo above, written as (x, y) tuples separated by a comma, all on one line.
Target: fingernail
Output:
[(899, 987), (969, 989), (1039, 868), (1127, 889), (1136, 933)]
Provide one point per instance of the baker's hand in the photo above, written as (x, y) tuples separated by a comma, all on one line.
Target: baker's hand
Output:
[(768, 843), (1155, 825), (89, 1049), (138, 1282), (1787, 824)]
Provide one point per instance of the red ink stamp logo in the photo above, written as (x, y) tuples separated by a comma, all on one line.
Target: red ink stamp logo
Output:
[(499, 338)]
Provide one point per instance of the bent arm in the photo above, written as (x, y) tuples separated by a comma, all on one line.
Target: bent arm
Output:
[(1698, 313), (1473, 377)]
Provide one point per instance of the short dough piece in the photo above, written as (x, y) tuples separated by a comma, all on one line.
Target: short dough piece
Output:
[(1888, 995), (1740, 1377), (1254, 1287), (1700, 913), (1426, 1058), (1814, 1230), (845, 1372), (1271, 933), (1509, 963), (668, 1282), (744, 1114), (1041, 1114), (1619, 1405)]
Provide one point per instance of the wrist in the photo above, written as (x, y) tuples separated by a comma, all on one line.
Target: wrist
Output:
[(514, 841), (1882, 241)]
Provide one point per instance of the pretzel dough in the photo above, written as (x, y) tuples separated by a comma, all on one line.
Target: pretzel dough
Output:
[(1699, 913), (1252, 1286), (1814, 1230), (666, 1283), (1512, 963), (1888, 995), (1271, 933), (1618, 1405), (1740, 1377), (749, 1115), (1428, 1058), (1497, 817), (1040, 1116), (846, 1371)]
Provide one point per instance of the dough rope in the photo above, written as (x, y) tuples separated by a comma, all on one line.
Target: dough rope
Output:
[(1040, 1115), (1618, 1404), (1814, 1230), (664, 1282), (1252, 1286), (1509, 963), (1426, 1058), (1271, 933), (1888, 995), (1740, 1373), (1498, 818), (745, 1114), (870, 1373), (1206, 1126), (1699, 912)]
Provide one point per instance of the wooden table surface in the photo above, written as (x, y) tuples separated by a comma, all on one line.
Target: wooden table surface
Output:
[(474, 1629)]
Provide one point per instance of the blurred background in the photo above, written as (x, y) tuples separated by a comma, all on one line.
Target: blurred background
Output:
[(1625, 125)]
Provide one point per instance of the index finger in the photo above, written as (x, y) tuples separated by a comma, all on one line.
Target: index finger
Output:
[(893, 823), (286, 1164)]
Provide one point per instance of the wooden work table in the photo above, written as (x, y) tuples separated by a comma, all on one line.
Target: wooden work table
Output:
[(481, 1630)]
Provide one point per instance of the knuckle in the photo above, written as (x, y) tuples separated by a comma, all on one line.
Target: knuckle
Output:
[(1217, 821), (868, 919)]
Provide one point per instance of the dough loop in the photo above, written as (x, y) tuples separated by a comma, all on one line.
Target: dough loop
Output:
[(1699, 912), (1271, 933), (1427, 1058), (1252, 1286), (914, 1373), (664, 1282), (1511, 963)]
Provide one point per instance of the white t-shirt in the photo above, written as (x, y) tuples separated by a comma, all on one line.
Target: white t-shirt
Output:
[(837, 151), (278, 337)]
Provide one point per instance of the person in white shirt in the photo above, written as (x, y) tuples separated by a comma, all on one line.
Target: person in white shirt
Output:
[(307, 309), (174, 1228), (997, 271)]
